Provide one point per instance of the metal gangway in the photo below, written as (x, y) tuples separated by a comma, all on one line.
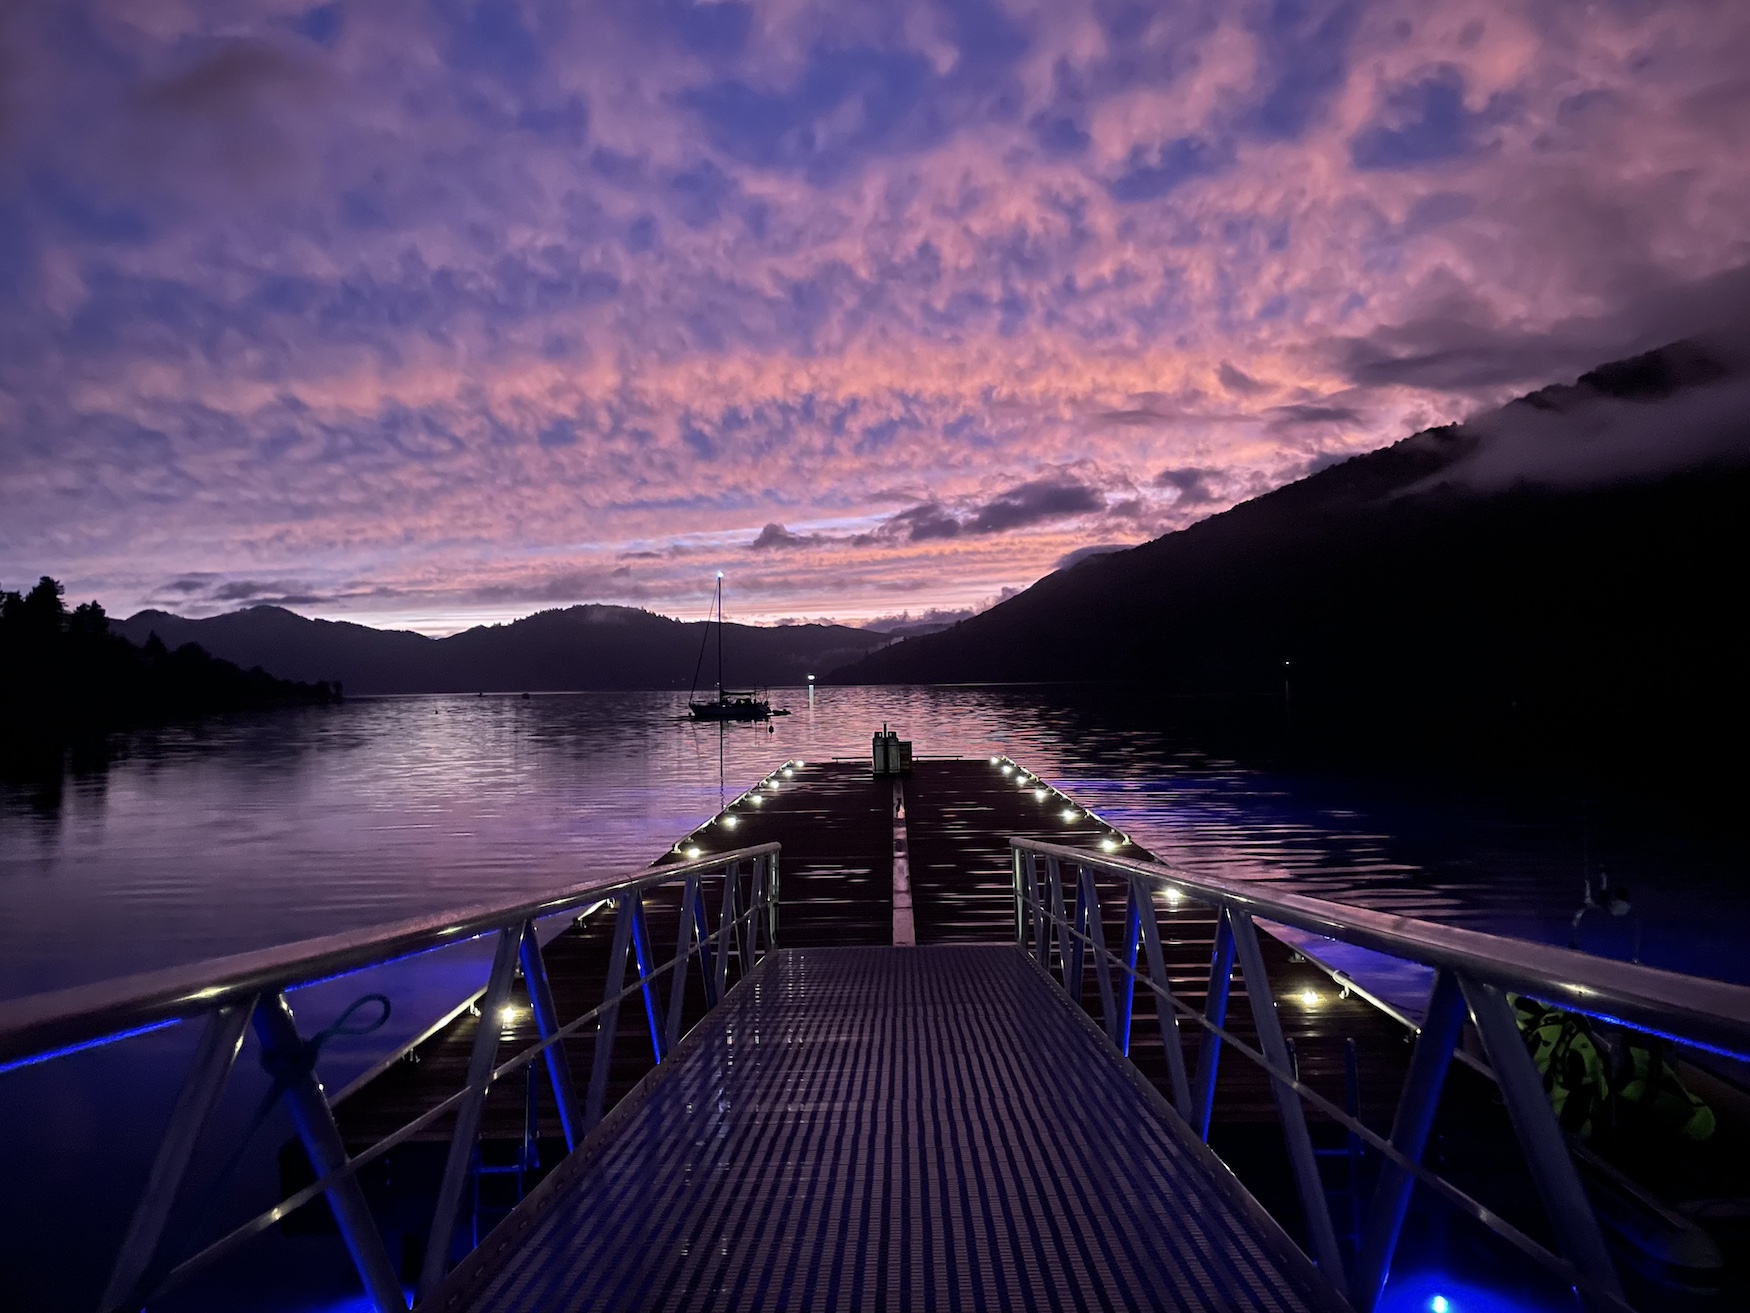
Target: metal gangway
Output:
[(886, 1127)]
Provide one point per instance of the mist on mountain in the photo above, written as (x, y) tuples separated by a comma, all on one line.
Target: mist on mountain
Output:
[(1554, 582)]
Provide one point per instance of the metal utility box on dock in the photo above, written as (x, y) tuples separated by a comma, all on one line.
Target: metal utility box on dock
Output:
[(892, 754)]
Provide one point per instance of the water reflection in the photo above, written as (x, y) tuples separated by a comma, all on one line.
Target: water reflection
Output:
[(182, 844), (185, 843)]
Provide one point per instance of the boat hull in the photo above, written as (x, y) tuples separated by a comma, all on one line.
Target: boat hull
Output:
[(743, 709)]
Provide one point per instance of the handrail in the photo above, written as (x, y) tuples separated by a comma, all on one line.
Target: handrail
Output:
[(1712, 1013), (41, 1024), (1474, 974), (247, 990)]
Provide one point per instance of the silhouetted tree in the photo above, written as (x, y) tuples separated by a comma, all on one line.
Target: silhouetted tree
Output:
[(62, 669)]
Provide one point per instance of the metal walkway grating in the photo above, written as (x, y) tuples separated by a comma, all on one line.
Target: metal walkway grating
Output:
[(875, 1128)]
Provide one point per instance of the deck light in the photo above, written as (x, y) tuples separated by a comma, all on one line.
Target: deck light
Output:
[(789, 774), (757, 801), (694, 851), (1039, 795), (507, 1015), (1008, 770), (995, 760), (1439, 1304), (1108, 843), (730, 822), (1069, 813), (1172, 897), (1309, 998)]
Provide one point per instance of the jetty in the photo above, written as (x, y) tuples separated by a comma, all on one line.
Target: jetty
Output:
[(900, 1034)]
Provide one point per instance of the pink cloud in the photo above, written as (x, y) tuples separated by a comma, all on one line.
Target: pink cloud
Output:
[(444, 310)]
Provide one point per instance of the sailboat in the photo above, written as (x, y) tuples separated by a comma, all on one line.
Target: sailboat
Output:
[(730, 704)]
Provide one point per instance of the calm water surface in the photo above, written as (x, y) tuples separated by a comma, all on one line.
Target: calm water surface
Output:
[(191, 843), (194, 843)]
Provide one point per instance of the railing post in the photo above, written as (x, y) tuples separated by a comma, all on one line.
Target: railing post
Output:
[(1143, 893), (1409, 1136), (683, 954), (702, 935), (646, 970), (1301, 1156), (729, 928), (214, 1056), (756, 909), (1221, 970), (1059, 922), (1041, 925), (1320, 1232), (1077, 966), (1020, 900), (461, 1155), (547, 1024), (772, 902), (608, 1022), (1541, 1137), (1127, 995), (281, 1045), (1096, 931)]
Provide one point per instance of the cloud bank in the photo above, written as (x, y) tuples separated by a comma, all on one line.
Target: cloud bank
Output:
[(434, 312)]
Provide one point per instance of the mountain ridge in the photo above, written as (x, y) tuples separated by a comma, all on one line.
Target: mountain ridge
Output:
[(1421, 598), (586, 647)]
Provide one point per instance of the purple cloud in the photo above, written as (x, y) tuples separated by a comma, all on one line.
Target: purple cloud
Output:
[(436, 308)]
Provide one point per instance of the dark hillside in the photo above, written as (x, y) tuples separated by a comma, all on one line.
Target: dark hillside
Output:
[(579, 647), (1413, 608), (293, 647)]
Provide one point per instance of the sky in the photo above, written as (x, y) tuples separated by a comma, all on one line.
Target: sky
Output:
[(432, 314)]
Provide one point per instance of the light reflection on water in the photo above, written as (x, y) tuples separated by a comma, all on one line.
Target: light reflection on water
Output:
[(272, 828), (194, 843)]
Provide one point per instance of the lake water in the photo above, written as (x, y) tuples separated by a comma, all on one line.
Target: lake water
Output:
[(192, 843), (184, 844)]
